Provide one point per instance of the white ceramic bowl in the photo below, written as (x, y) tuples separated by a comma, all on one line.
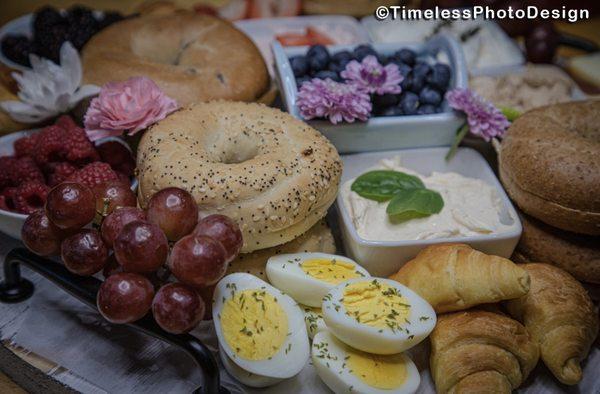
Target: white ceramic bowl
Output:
[(11, 222), (383, 132), (383, 258)]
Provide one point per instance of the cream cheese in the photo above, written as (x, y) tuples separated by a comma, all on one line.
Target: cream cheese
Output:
[(471, 207)]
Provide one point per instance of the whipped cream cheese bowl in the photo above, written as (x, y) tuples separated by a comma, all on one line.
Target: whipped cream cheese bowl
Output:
[(469, 189)]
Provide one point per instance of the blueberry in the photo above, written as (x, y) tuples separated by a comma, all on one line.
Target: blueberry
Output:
[(327, 74), (426, 109), (413, 82), (385, 100), (440, 76), (301, 80), (336, 67), (342, 58), (430, 96), (390, 111), (299, 65), (406, 56), (421, 69), (382, 59), (409, 102), (404, 69), (362, 51), (318, 58)]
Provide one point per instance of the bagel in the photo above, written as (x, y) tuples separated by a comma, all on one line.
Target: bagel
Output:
[(549, 163), (272, 173), (191, 57), (577, 254), (317, 239)]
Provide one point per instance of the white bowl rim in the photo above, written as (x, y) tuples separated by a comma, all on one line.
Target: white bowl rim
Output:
[(511, 233)]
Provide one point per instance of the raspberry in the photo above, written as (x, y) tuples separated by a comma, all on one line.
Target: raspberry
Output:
[(59, 172), (25, 146), (51, 145), (79, 148), (94, 174), (7, 171), (25, 169), (7, 201), (30, 196), (65, 122), (118, 156)]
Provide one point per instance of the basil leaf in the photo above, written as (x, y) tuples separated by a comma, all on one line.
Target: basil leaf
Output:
[(414, 203), (381, 185)]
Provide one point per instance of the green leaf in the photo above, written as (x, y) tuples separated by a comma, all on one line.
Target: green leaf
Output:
[(414, 203), (510, 113), (381, 185)]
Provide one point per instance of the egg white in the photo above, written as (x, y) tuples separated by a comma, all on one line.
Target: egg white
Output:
[(331, 368), (314, 321), (285, 272), (421, 321), (293, 353), (243, 376)]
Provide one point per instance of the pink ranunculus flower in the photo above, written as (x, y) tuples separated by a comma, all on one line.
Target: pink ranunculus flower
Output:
[(126, 107)]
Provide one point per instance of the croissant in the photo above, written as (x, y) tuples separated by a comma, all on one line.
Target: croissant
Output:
[(453, 277), (477, 351), (560, 316)]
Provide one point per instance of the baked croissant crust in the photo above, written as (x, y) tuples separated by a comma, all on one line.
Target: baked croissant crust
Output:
[(478, 351), (454, 277), (560, 316)]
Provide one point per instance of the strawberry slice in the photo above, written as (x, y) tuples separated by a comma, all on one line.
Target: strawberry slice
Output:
[(318, 37), (293, 40)]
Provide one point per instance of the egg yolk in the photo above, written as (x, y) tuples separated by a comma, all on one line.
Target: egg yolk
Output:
[(254, 324), (330, 271), (376, 304), (382, 372)]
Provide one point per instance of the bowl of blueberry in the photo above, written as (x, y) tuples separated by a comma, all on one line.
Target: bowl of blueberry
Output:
[(403, 86), (43, 32)]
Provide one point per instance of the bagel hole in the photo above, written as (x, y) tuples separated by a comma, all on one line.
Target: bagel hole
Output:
[(239, 154)]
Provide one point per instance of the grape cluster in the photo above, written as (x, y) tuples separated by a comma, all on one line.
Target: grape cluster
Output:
[(51, 28), (136, 272)]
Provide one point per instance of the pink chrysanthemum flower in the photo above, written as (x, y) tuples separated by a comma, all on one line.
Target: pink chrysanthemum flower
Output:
[(371, 76), (483, 118), (325, 98)]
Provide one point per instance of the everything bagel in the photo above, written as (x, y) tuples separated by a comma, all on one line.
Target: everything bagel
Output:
[(191, 57), (272, 173)]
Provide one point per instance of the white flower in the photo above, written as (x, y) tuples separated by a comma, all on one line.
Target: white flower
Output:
[(48, 89)]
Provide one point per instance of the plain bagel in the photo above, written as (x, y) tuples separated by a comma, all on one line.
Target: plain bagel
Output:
[(272, 173), (192, 57), (550, 165)]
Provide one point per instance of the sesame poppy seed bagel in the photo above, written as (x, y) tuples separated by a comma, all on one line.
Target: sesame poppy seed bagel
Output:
[(191, 57), (272, 173), (549, 164)]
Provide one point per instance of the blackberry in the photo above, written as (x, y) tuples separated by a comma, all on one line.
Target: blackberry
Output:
[(45, 17), (17, 48), (47, 43), (109, 19)]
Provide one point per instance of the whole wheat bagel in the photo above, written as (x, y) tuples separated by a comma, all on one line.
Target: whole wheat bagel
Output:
[(272, 173), (577, 254), (192, 57), (549, 164)]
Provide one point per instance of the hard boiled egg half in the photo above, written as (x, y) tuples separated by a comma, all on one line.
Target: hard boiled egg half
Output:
[(348, 370), (377, 315), (260, 329), (313, 317), (308, 277)]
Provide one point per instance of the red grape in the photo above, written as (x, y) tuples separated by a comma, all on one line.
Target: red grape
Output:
[(84, 253), (40, 235), (125, 297), (141, 247), (177, 308), (198, 260), (174, 211), (113, 194), (224, 230), (70, 205), (114, 223), (541, 43)]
